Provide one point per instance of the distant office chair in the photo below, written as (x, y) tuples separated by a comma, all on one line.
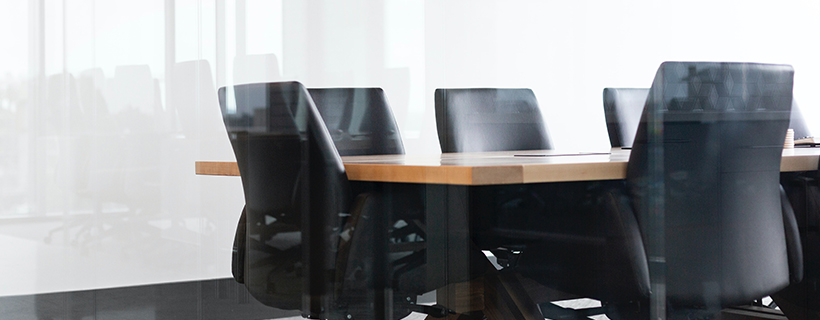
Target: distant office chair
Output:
[(298, 197), (798, 123), (490, 119), (622, 109), (359, 120), (487, 119), (708, 155)]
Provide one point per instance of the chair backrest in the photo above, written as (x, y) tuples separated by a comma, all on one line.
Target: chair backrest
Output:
[(295, 189), (704, 179), (488, 119), (359, 120), (622, 109)]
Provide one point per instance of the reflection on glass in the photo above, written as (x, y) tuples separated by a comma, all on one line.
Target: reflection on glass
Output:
[(703, 177), (310, 240), (268, 143)]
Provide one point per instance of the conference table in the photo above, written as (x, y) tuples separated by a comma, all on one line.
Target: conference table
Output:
[(447, 179), (503, 167)]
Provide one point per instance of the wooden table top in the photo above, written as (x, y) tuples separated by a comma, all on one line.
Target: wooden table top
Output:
[(507, 167)]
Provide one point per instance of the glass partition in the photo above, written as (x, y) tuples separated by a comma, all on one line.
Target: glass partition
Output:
[(124, 192)]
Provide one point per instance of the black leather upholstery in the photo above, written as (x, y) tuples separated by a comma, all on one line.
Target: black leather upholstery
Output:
[(361, 123), (359, 120), (487, 119), (295, 189), (622, 109), (801, 299), (793, 244), (308, 239), (707, 154)]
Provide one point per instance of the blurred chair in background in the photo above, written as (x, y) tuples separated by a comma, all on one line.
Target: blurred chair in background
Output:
[(622, 109), (507, 220), (359, 120), (798, 123), (488, 119)]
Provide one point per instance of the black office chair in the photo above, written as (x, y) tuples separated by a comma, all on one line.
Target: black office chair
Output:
[(798, 123), (719, 128), (361, 123), (622, 109), (489, 119), (801, 300), (546, 226), (309, 241), (702, 181), (359, 120)]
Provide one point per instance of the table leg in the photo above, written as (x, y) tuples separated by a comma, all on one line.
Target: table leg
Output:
[(451, 256), (467, 282)]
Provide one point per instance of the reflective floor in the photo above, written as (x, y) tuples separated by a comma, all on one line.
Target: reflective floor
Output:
[(207, 299)]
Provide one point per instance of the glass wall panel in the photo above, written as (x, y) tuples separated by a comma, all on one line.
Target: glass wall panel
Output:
[(120, 134)]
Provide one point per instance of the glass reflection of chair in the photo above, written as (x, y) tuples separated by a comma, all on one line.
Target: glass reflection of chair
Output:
[(66, 127), (78, 110), (703, 184), (623, 107), (194, 131), (298, 197), (135, 106)]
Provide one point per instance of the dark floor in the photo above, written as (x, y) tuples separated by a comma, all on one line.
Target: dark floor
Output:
[(206, 299)]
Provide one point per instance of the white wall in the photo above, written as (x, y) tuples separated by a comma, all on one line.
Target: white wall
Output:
[(101, 115)]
